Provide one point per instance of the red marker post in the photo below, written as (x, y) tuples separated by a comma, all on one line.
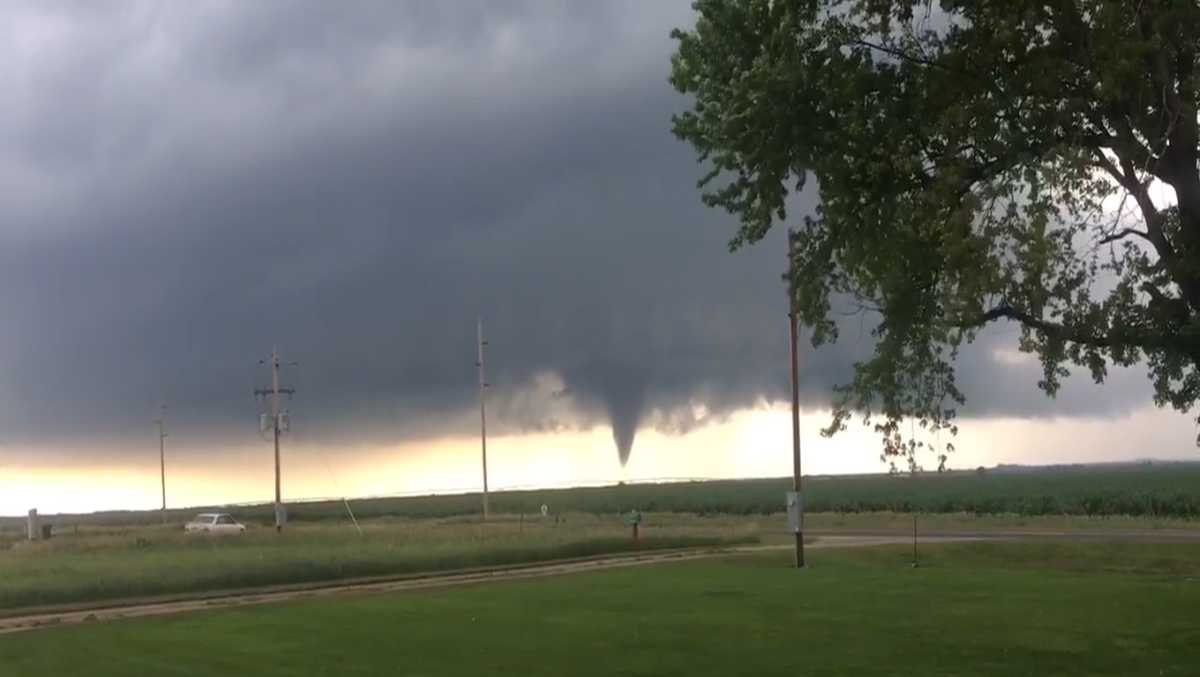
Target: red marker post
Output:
[(633, 519)]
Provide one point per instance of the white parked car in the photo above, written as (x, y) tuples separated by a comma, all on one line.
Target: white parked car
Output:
[(214, 523)]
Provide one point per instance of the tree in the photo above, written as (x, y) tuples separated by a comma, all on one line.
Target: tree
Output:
[(976, 162)]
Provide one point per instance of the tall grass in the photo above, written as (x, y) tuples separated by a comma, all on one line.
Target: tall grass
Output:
[(100, 564)]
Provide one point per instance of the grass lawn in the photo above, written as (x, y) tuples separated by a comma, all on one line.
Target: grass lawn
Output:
[(974, 609)]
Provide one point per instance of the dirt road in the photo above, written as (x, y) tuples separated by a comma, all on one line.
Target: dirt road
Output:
[(1100, 534)]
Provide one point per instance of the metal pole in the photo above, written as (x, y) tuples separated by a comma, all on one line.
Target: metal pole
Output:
[(162, 466), (792, 330), (483, 416), (275, 428)]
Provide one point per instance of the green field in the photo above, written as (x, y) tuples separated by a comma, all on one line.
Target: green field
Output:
[(1164, 490), (974, 609), (113, 563), (108, 556), (107, 563)]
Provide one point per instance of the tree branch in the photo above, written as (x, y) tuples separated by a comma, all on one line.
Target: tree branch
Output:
[(1053, 329), (1115, 337), (904, 56), (1122, 234), (922, 61)]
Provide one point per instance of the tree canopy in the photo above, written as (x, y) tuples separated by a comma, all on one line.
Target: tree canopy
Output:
[(976, 162)]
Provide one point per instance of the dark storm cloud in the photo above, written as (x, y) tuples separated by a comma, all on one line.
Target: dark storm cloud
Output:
[(188, 185)]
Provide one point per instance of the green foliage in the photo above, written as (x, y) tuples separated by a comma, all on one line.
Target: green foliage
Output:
[(976, 162)]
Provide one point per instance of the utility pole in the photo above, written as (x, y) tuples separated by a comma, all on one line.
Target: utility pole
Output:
[(274, 392), (796, 497), (162, 458), (482, 415)]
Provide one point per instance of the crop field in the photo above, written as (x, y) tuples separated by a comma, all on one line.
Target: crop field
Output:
[(1169, 490), (972, 609), (99, 563)]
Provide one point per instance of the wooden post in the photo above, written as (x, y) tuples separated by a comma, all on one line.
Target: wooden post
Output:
[(795, 371)]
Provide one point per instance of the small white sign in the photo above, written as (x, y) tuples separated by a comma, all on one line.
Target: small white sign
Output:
[(795, 511)]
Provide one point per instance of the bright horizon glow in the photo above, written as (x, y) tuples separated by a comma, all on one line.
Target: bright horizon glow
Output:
[(750, 443)]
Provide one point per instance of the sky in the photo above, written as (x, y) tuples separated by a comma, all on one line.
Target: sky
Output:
[(184, 186)]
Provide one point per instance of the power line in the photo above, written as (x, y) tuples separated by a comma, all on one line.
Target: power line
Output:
[(337, 483)]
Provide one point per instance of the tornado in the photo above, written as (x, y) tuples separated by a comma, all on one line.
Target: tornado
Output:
[(620, 390), (625, 408)]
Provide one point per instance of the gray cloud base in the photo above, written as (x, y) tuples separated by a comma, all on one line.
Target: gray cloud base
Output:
[(188, 186)]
